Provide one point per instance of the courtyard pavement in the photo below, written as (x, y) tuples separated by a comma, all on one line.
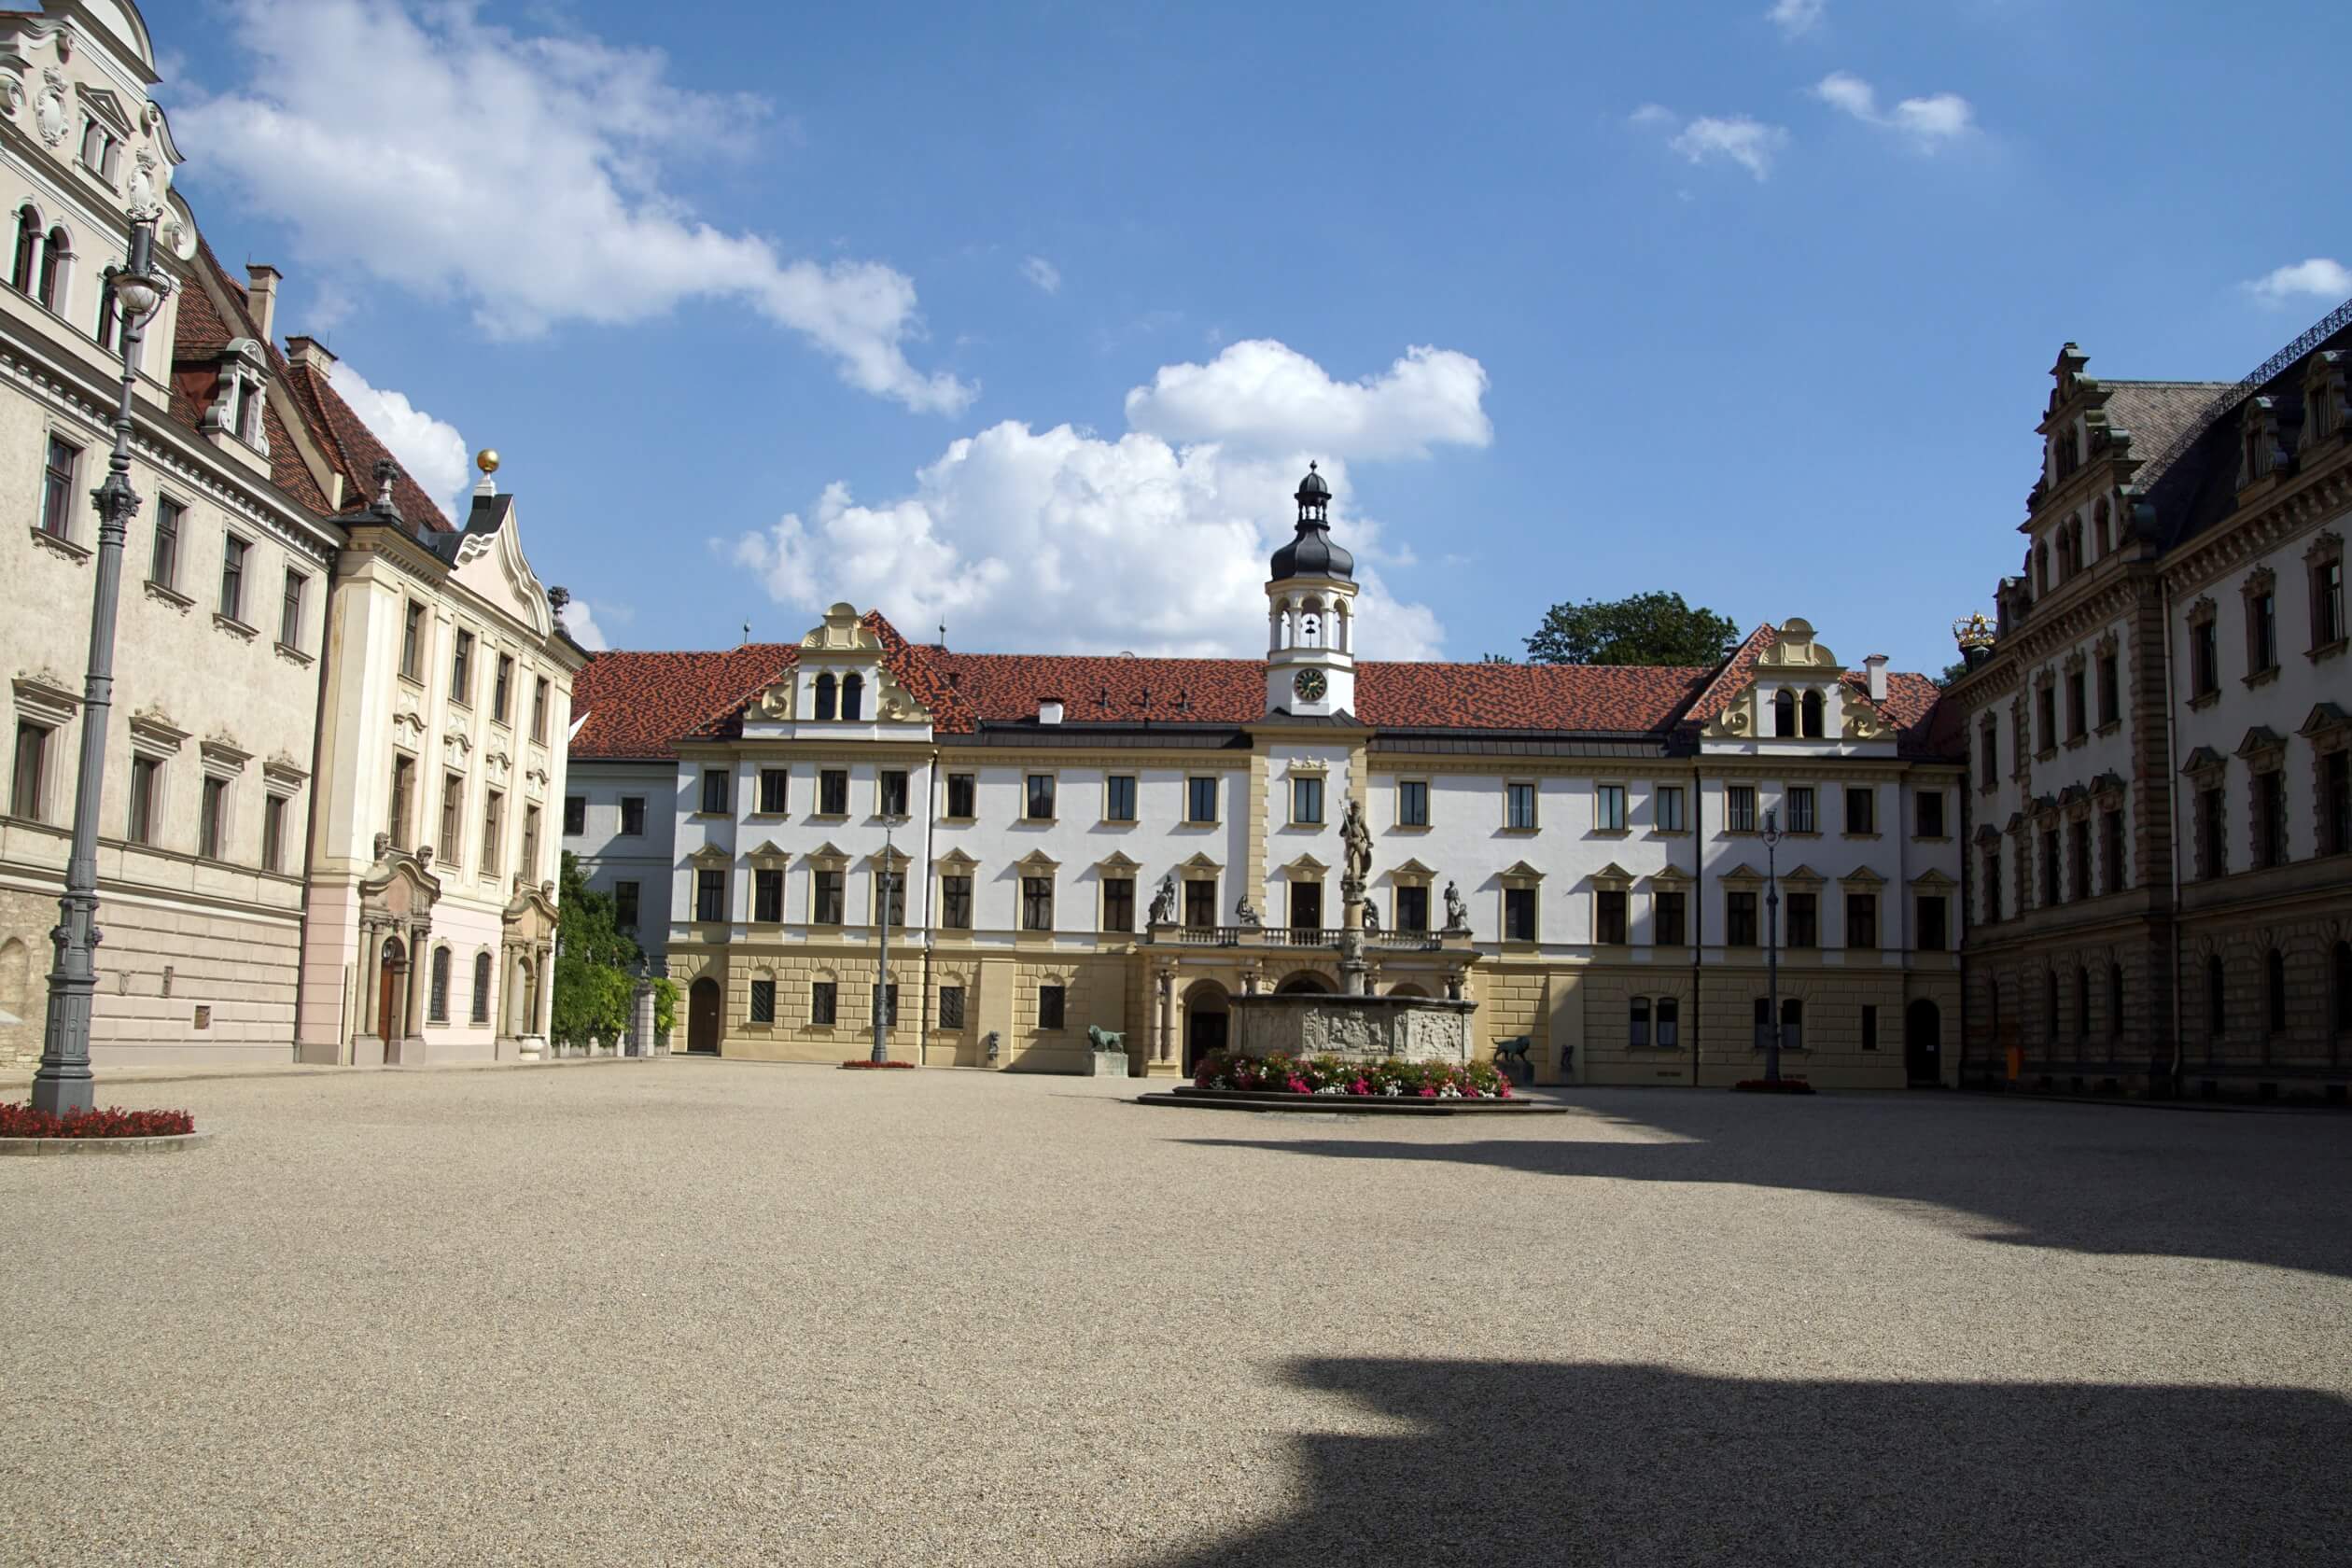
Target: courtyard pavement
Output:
[(707, 1313)]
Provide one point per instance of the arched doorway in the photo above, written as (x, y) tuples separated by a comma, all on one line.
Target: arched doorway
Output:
[(391, 991), (1923, 1044), (1208, 1023), (702, 1017), (1306, 980)]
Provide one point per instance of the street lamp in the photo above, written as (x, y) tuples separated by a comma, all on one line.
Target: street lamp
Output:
[(1772, 949), (62, 1085), (882, 981)]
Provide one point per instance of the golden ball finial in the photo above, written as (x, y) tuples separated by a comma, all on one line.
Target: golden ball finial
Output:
[(487, 459)]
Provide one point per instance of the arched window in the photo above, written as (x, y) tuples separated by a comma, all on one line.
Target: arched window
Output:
[(2115, 1000), (28, 245), (2050, 1006), (1638, 1027), (1814, 725), (481, 988), (439, 1011), (2275, 992), (2216, 997), (2082, 1003), (852, 697), (1669, 1021), (1763, 1022), (825, 695), (55, 258), (1784, 712)]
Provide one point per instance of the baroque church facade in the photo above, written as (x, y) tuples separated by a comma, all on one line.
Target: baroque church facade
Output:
[(336, 743), (1056, 842)]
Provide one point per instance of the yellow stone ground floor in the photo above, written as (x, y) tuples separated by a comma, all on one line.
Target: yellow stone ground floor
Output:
[(1584, 1020)]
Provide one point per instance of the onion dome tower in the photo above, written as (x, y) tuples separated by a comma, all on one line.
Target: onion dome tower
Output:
[(1311, 615)]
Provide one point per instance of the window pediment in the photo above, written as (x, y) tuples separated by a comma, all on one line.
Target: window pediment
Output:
[(1669, 877), (1801, 873), (1742, 875), (2261, 744), (1118, 864), (1610, 875), (827, 857), (46, 696), (954, 862), (769, 854), (154, 734), (2205, 758), (1410, 871), (1933, 880), (1306, 865), (2326, 719), (1987, 836), (710, 854), (1038, 864), (1862, 876), (1202, 862)]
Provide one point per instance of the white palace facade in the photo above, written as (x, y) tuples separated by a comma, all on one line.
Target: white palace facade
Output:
[(1128, 843)]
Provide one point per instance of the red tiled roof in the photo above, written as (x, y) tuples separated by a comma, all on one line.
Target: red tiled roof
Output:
[(353, 449), (637, 704), (1733, 676), (1003, 688), (1638, 698), (1924, 724)]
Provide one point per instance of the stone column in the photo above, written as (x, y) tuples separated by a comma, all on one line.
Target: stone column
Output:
[(1167, 1010), (642, 1019), (370, 988), (412, 1008), (545, 994)]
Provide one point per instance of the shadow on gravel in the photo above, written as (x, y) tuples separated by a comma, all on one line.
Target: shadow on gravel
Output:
[(2089, 1180), (1511, 1464)]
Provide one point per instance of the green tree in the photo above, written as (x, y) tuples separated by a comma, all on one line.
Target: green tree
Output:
[(595, 961), (1952, 672), (1645, 629)]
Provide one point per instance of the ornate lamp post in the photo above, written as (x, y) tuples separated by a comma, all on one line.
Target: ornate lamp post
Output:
[(1771, 948), (882, 981), (62, 1085)]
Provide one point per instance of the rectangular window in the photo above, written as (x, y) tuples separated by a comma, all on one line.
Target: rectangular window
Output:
[(2111, 692), (1930, 814), (1869, 1026), (2077, 706), (146, 775), (1518, 914), (772, 788), (955, 901), (714, 792), (1608, 917), (1672, 926), (1051, 1000), (1118, 903), (413, 640), (2045, 718), (1118, 798), (1739, 808), (461, 669), (2079, 856), (575, 816), (502, 689), (2213, 836), (163, 564), (481, 988), (1763, 1022), (1861, 810), (57, 488), (894, 884), (2054, 891), (710, 894), (1804, 919), (1933, 913), (2335, 812), (1038, 802), (892, 792), (1412, 908), (1305, 908), (2327, 604), (453, 802), (291, 611), (1412, 803), (764, 1001), (962, 792), (1801, 816), (1608, 807), (403, 799), (833, 792), (951, 1007), (2111, 851), (493, 822), (541, 691), (1861, 911), (824, 1002), (1669, 1022), (1307, 801), (1992, 886), (2270, 818), (624, 905), (1739, 918), (2261, 632), (632, 815), (273, 832), (1200, 798), (1200, 903), (2204, 659), (1519, 808), (825, 896), (232, 559), (1637, 1029), (1666, 806), (212, 822), (767, 894), (529, 864), (1037, 903)]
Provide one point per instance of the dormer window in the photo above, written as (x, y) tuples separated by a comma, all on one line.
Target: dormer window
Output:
[(1814, 719), (827, 696), (2258, 442), (100, 151), (852, 698), (2324, 407), (1784, 712), (240, 401), (2105, 520)]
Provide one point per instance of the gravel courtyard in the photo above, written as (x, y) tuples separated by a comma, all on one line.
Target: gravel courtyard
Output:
[(709, 1312)]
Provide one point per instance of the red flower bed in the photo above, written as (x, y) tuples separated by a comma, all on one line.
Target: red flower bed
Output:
[(1765, 1085), (863, 1066), (22, 1121)]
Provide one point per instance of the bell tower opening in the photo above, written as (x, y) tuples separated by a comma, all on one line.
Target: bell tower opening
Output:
[(1310, 614)]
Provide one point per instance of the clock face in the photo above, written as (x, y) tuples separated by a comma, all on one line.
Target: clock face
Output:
[(1310, 685)]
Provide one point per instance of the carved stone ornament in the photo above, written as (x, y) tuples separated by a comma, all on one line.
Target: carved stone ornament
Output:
[(777, 701), (144, 193), (11, 94), (49, 109)]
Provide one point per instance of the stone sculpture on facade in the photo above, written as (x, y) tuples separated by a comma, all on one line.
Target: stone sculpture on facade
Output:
[(1163, 902), (1245, 914), (1457, 912)]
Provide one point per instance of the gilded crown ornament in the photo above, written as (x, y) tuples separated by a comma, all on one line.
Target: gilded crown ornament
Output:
[(1972, 632)]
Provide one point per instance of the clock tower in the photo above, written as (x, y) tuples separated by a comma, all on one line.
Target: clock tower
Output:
[(1311, 615)]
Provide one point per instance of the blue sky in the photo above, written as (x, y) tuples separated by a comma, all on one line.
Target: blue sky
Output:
[(1024, 317)]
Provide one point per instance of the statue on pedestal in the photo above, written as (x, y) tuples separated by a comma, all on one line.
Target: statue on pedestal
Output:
[(1163, 901), (1357, 839), (1457, 912)]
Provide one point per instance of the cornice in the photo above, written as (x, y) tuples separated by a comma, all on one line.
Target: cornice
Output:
[(2315, 501)]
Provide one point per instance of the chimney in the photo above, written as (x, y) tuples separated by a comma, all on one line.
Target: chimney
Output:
[(1876, 665), (311, 352), (261, 298), (1049, 710)]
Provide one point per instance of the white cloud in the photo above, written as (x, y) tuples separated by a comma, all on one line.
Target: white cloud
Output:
[(1929, 122), (1155, 541), (1271, 397), (2318, 278), (580, 620), (521, 176), (430, 449), (1749, 143), (1042, 272), (1797, 16)]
